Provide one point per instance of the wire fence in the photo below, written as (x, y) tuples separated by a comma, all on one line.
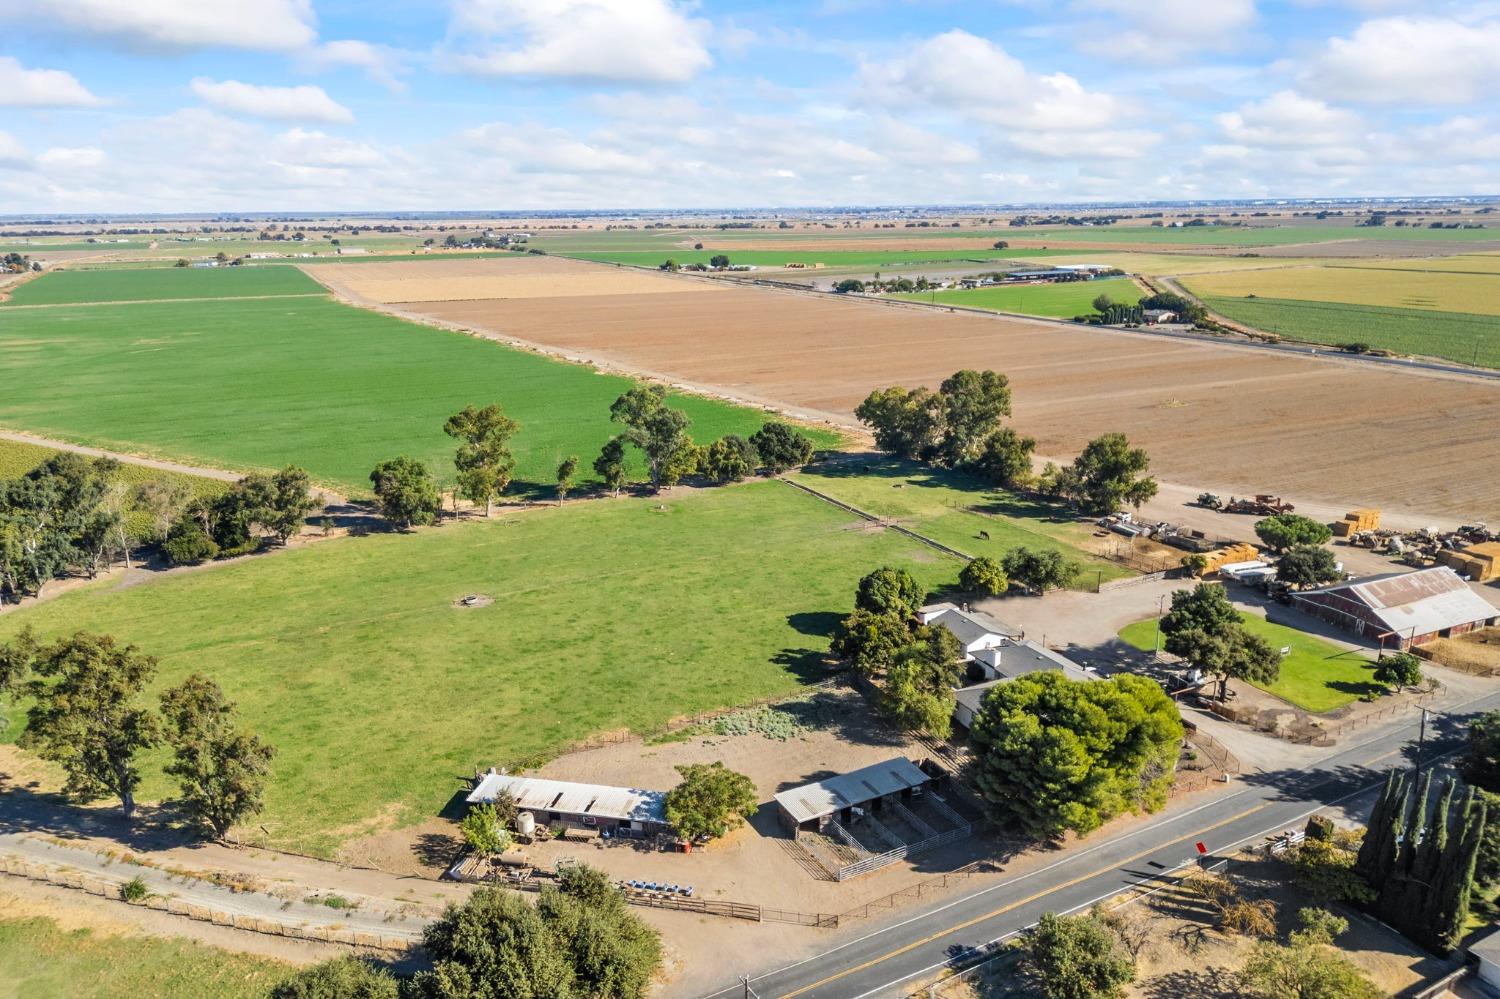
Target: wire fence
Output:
[(918, 890)]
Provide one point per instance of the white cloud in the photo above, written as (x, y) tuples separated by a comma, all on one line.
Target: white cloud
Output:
[(71, 158), (957, 70), (538, 149), (380, 63), (1412, 61), (41, 88), (643, 41), (304, 103), (1211, 24), (272, 25), (1286, 118), (13, 155)]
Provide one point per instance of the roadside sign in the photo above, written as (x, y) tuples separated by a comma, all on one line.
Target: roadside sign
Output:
[(1202, 848)]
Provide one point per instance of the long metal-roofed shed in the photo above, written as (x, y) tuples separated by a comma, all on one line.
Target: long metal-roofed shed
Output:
[(812, 805), (621, 810), (1401, 609)]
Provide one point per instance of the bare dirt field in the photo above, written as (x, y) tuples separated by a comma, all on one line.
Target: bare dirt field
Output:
[(1233, 419), (519, 277)]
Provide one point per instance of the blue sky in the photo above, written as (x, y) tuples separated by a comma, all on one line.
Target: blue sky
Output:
[(208, 105)]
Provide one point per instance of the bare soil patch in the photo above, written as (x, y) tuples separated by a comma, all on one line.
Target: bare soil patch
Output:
[(1478, 652), (520, 277), (1229, 418)]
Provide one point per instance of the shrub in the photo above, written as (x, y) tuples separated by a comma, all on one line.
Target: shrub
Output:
[(134, 890), (186, 544)]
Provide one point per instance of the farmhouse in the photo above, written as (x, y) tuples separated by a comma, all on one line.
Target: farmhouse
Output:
[(1402, 608), (811, 806), (1154, 316), (617, 810), (980, 636), (1013, 660)]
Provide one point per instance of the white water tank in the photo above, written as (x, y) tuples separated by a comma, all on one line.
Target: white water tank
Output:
[(525, 824)]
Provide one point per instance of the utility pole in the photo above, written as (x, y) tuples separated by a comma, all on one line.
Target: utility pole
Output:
[(1160, 610), (1421, 739)]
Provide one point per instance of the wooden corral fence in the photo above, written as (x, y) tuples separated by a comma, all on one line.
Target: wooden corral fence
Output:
[(1216, 751), (918, 890)]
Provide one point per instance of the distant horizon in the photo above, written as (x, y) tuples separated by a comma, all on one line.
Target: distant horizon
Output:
[(227, 215)]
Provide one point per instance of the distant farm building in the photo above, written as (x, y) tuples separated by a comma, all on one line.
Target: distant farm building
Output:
[(1154, 316), (615, 811), (1401, 609), (812, 806)]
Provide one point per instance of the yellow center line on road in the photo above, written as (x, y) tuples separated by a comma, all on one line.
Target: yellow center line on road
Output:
[(1008, 907)]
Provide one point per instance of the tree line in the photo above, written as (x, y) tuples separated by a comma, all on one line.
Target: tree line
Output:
[(408, 493), (73, 514), (578, 941), (961, 426), (86, 713)]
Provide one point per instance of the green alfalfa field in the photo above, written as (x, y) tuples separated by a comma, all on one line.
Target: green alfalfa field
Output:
[(249, 383)]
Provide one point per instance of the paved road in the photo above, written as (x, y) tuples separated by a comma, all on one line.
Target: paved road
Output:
[(894, 960)]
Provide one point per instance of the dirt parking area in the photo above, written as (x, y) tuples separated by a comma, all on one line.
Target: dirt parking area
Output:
[(524, 276), (1226, 418)]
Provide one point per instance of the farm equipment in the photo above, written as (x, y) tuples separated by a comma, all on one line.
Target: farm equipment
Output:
[(1262, 505), (1210, 501)]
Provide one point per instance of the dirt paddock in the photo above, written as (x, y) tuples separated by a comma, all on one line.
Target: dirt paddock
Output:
[(1216, 416)]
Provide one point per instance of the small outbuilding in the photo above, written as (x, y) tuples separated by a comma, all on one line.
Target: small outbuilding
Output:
[(1486, 952), (811, 806), (1154, 316), (616, 810), (1401, 609)]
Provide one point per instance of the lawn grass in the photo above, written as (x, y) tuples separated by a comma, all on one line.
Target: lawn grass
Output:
[(44, 961), (1468, 339), (1316, 676), (1058, 301), (1381, 287), (67, 287), (259, 383), (953, 509), (350, 657)]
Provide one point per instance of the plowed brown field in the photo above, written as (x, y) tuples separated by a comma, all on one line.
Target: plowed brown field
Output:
[(1213, 416), (522, 276)]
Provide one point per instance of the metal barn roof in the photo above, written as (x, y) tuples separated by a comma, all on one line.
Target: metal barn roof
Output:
[(534, 794), (1420, 602), (814, 801)]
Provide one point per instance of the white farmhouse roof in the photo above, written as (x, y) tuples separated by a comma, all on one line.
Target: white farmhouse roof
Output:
[(833, 794), (534, 794), (967, 626), (1420, 602)]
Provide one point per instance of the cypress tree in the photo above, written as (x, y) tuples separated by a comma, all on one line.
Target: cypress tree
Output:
[(1390, 834), (1458, 879), (1397, 890), (1434, 847), (1365, 864)]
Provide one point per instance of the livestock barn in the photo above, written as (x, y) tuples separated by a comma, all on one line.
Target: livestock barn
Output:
[(1401, 609)]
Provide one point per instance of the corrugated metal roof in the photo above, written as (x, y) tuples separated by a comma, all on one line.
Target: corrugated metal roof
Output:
[(534, 794), (813, 801), (1420, 602)]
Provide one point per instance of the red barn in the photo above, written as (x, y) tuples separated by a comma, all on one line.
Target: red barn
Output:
[(1401, 609)]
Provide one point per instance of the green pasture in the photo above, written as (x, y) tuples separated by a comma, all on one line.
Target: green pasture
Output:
[(78, 287), (1250, 236), (259, 383), (954, 509), (379, 694), (1316, 676), (44, 961), (1057, 301), (1456, 336), (895, 257)]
